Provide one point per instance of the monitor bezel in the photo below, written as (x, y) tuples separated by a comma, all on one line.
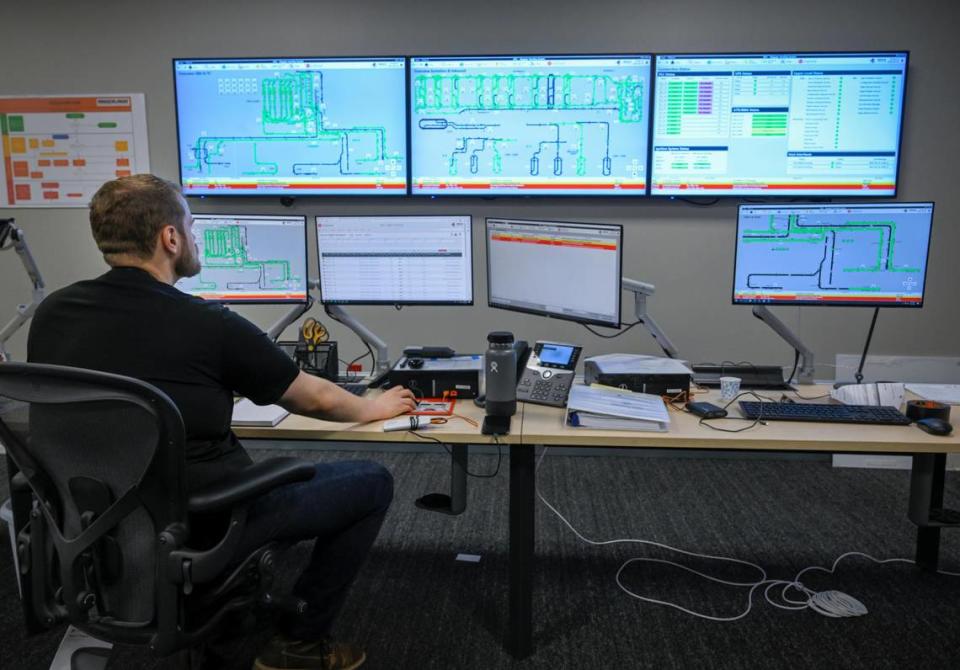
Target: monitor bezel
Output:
[(832, 303), (457, 193), (805, 193), (554, 315), (261, 217), (403, 303), (296, 193)]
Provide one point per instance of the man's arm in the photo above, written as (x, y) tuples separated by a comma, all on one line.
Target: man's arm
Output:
[(318, 398)]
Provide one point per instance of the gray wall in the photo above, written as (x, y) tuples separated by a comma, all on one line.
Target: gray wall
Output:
[(99, 47)]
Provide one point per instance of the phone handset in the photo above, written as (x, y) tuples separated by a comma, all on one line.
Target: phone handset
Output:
[(548, 373)]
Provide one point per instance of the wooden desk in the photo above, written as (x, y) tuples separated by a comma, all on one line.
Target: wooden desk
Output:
[(544, 426), (455, 431), (538, 425)]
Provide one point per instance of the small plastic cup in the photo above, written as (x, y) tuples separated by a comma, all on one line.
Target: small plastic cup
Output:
[(729, 388)]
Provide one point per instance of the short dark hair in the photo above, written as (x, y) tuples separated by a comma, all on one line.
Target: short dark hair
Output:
[(128, 213)]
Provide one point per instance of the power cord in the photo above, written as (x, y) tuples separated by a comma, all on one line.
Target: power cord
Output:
[(365, 343), (754, 422), (446, 448), (625, 327), (829, 603)]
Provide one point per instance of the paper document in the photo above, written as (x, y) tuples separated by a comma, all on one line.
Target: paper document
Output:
[(948, 394), (245, 413), (890, 395), (605, 407)]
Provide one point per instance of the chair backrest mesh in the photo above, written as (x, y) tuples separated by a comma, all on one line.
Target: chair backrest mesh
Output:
[(110, 442), (72, 434)]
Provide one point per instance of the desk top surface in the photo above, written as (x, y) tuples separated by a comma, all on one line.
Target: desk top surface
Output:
[(545, 425), (537, 424), (456, 430)]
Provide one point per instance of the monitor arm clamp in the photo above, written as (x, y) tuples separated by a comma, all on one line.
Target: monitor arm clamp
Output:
[(805, 371), (642, 290), (11, 236)]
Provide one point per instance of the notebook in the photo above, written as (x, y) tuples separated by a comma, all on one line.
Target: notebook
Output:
[(245, 413)]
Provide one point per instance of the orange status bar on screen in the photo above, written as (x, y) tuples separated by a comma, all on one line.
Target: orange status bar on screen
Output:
[(299, 186), (545, 186), (251, 297), (553, 241), (865, 299), (774, 187)]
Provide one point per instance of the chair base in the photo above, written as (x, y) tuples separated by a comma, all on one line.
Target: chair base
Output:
[(79, 651)]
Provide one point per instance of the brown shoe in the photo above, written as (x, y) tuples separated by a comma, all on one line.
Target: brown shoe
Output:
[(282, 653)]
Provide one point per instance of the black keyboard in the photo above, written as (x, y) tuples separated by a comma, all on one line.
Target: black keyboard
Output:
[(356, 388), (792, 411)]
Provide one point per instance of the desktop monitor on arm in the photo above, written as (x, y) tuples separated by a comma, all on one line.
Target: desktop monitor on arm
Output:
[(392, 260), (250, 259), (863, 255), (562, 270), (395, 260)]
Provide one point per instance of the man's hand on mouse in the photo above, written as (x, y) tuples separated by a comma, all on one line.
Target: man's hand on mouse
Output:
[(391, 403)]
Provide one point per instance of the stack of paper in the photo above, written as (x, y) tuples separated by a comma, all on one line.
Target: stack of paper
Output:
[(245, 413), (608, 408), (885, 394)]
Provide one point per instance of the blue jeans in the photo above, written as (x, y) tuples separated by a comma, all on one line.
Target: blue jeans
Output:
[(343, 508)]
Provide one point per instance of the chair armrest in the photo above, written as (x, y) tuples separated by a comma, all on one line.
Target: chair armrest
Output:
[(249, 483)]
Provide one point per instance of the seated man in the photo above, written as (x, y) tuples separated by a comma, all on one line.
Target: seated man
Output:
[(133, 321)]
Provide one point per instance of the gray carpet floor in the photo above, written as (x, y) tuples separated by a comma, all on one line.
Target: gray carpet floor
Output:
[(415, 606)]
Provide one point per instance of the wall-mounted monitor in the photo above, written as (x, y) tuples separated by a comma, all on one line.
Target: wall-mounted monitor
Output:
[(292, 126), (249, 259), (563, 270), (872, 255), (778, 124), (529, 125), (395, 260)]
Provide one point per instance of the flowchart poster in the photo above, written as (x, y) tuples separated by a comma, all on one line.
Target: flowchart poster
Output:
[(58, 150)]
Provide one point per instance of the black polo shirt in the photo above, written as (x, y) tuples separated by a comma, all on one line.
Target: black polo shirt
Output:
[(197, 352)]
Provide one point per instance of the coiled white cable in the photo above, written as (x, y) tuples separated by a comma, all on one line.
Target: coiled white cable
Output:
[(828, 603)]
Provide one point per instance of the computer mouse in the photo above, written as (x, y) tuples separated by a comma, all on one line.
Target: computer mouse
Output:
[(415, 363), (934, 426)]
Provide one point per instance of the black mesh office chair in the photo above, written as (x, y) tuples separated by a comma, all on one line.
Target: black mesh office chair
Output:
[(103, 520)]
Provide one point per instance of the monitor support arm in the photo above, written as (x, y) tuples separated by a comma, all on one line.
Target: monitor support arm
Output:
[(805, 373), (381, 364), (641, 290), (11, 236), (295, 313)]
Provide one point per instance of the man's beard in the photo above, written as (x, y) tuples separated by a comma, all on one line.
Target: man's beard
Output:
[(188, 264)]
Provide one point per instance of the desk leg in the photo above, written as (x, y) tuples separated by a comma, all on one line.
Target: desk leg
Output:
[(926, 503), (522, 499)]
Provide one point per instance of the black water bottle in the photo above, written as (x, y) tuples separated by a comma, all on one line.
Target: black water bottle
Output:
[(500, 373)]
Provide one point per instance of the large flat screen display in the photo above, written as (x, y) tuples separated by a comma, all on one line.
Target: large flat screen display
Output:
[(778, 124), (873, 255), (292, 126), (530, 125)]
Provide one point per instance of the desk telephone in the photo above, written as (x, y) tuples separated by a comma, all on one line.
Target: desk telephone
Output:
[(548, 373)]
